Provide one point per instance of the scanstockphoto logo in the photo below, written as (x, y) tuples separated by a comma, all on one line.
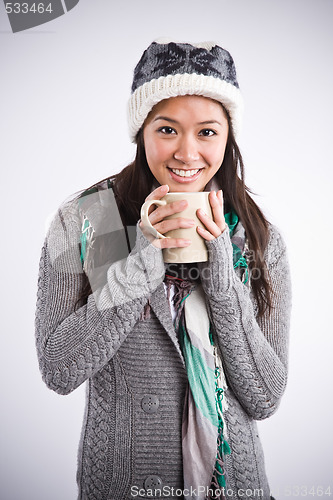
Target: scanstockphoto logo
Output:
[(23, 15)]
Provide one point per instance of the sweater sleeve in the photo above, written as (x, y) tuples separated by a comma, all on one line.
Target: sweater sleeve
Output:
[(73, 343), (254, 350)]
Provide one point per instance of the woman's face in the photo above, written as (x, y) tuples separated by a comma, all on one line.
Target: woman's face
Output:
[(185, 139)]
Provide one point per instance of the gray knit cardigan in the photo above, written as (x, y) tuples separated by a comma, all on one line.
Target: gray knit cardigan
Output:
[(134, 369)]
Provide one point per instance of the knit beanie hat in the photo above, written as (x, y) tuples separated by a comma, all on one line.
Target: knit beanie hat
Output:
[(169, 69)]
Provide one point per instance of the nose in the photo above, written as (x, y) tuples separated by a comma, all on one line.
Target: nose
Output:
[(187, 150)]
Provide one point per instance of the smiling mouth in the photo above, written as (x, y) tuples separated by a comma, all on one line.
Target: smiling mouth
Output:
[(185, 173)]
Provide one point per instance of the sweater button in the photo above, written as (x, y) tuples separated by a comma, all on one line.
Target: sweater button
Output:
[(150, 403), (153, 483)]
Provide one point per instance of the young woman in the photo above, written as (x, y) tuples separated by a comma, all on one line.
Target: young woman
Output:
[(180, 360)]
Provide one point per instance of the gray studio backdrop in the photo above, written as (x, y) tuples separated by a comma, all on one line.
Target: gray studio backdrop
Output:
[(64, 89)]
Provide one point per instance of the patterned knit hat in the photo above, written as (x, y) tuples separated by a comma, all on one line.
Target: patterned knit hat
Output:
[(169, 69)]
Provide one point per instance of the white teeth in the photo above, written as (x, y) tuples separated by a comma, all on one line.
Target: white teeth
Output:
[(185, 173)]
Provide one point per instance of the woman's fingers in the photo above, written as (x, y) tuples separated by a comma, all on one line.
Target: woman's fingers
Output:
[(213, 227), (171, 243), (167, 225), (216, 203), (157, 218), (158, 193), (211, 232), (164, 211)]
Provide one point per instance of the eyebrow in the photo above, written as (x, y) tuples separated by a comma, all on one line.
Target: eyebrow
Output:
[(171, 120), (164, 118)]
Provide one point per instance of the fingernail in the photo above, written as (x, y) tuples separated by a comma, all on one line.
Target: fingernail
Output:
[(187, 242), (189, 223)]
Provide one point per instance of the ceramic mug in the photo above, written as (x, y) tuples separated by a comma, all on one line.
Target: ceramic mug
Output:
[(197, 251)]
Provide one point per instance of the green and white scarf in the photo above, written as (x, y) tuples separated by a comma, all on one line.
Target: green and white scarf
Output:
[(204, 436)]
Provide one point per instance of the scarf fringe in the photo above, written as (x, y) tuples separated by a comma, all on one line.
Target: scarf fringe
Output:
[(146, 312)]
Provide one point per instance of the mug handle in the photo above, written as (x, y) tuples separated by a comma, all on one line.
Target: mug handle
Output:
[(145, 219)]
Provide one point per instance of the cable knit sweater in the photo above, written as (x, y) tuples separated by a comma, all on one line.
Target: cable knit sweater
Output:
[(135, 372)]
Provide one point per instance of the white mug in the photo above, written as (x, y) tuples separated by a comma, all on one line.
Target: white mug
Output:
[(197, 251)]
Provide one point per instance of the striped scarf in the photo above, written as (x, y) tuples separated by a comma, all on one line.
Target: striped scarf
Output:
[(204, 434)]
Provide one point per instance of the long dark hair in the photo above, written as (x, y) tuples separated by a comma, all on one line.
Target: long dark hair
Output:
[(135, 181)]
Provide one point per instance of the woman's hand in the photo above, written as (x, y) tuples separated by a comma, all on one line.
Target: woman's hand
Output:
[(157, 219), (213, 227)]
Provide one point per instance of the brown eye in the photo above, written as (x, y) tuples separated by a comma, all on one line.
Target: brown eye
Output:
[(207, 132), (167, 130)]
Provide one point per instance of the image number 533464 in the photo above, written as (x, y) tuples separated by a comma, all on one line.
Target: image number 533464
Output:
[(27, 14)]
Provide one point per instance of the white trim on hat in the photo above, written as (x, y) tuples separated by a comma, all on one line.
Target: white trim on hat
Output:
[(150, 93), (201, 45)]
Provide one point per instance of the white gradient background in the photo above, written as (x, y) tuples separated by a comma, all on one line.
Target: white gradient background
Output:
[(64, 90)]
